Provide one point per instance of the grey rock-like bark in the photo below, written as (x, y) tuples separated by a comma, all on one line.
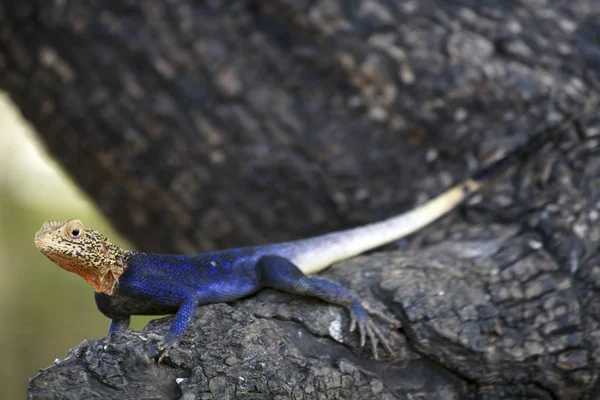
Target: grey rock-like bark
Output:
[(199, 125), (492, 318), (241, 122)]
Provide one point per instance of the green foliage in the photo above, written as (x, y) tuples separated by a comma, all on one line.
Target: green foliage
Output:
[(44, 310)]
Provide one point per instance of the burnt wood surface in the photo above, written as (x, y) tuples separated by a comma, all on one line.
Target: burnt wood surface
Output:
[(197, 125)]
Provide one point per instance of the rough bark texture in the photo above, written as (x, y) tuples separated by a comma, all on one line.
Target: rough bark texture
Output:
[(198, 125)]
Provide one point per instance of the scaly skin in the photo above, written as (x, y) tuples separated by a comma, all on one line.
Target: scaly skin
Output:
[(83, 251), (130, 283)]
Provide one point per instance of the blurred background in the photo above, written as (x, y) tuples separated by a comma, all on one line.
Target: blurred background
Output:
[(36, 331)]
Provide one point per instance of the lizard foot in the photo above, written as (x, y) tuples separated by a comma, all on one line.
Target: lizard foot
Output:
[(366, 329), (165, 344), (394, 323)]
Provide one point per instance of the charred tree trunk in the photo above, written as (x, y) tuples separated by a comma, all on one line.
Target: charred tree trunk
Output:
[(197, 125)]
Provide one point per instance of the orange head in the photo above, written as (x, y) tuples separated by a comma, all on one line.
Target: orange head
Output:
[(84, 251)]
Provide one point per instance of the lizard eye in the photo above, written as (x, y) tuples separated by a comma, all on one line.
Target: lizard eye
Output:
[(73, 229)]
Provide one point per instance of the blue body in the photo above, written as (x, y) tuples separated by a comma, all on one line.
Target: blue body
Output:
[(154, 284)]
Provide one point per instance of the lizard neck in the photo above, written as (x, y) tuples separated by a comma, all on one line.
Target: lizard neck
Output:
[(101, 272), (106, 279)]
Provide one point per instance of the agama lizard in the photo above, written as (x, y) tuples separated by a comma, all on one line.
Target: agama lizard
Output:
[(134, 283)]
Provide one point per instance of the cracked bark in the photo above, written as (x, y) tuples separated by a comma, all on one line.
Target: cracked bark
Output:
[(239, 122)]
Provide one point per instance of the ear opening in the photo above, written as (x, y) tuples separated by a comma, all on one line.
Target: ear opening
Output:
[(104, 247)]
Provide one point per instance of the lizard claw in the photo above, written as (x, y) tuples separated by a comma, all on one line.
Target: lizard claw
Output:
[(165, 344), (367, 330), (352, 322), (382, 316)]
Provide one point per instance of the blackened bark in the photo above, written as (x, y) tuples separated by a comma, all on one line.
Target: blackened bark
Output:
[(199, 125)]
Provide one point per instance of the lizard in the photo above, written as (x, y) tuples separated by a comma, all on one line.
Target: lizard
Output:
[(135, 283)]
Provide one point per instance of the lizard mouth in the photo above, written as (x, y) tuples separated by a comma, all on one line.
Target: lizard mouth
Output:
[(44, 246), (40, 243)]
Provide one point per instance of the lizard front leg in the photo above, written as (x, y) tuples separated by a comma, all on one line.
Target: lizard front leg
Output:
[(280, 273), (183, 319), (119, 324)]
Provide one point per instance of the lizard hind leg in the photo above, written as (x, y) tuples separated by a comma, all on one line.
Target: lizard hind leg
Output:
[(280, 273)]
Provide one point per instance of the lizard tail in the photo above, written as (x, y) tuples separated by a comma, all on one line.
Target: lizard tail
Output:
[(316, 254)]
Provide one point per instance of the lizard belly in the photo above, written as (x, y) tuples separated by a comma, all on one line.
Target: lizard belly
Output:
[(118, 306)]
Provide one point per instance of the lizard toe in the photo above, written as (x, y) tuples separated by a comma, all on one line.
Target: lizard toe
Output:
[(165, 344), (394, 323), (368, 331)]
